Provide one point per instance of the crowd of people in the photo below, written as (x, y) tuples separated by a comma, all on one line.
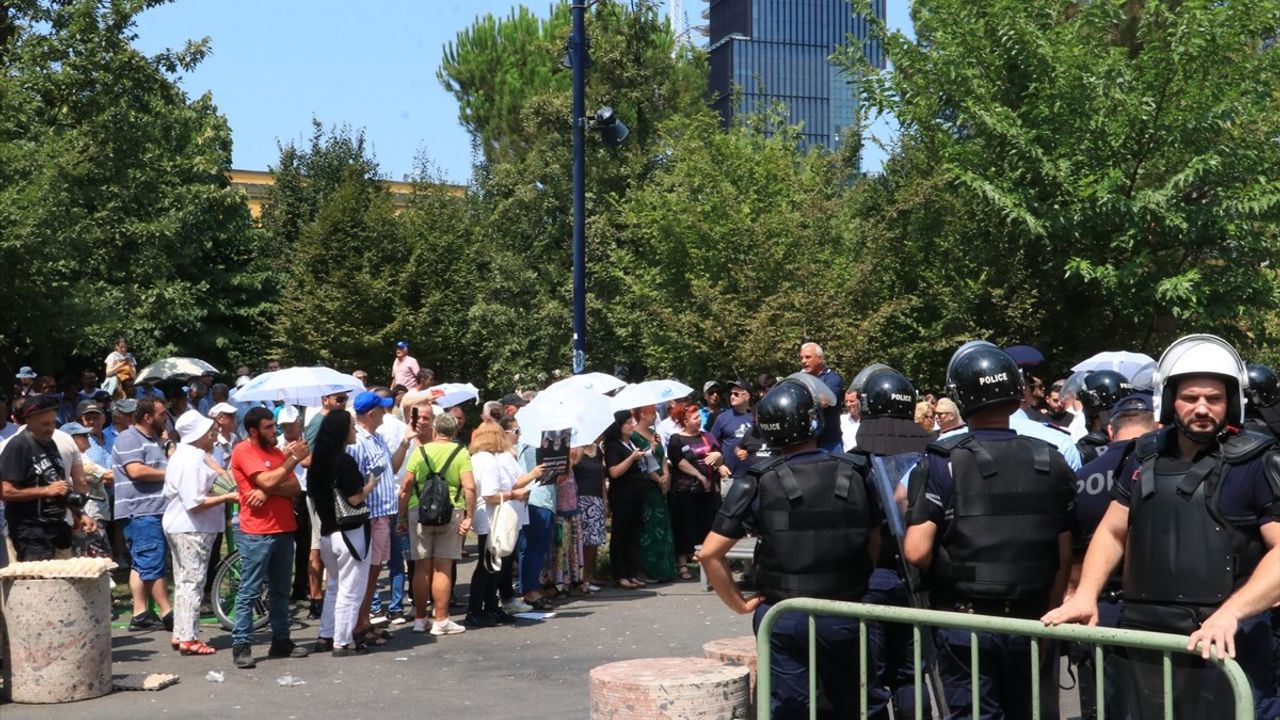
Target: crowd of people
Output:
[(1013, 497)]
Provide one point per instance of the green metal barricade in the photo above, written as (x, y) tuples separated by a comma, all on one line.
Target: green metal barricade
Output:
[(1166, 644)]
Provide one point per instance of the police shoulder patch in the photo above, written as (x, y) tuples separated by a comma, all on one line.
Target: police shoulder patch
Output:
[(1244, 446)]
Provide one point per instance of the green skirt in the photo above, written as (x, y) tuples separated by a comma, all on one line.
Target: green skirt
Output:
[(657, 545)]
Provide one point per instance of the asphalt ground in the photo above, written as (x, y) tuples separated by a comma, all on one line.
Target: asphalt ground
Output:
[(531, 670)]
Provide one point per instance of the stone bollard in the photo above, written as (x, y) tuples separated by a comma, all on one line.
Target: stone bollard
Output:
[(58, 644), (670, 689), (735, 651)]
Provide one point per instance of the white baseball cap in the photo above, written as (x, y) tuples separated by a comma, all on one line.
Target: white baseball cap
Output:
[(222, 408)]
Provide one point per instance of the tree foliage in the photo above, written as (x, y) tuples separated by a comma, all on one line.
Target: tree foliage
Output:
[(1085, 175), (116, 215)]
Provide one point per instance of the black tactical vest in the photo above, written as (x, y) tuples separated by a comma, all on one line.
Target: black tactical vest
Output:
[(814, 521), (1180, 550), (1091, 446), (1003, 541)]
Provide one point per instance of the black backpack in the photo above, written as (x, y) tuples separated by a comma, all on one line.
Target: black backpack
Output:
[(434, 506)]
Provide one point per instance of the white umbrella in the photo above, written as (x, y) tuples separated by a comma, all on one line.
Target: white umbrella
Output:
[(587, 414), (596, 382), (179, 368), (446, 395), (1122, 361), (297, 386), (650, 392)]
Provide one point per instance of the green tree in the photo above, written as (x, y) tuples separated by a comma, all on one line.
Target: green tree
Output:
[(116, 216), (1080, 175)]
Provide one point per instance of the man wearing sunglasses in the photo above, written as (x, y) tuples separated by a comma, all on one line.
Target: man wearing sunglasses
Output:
[(731, 425)]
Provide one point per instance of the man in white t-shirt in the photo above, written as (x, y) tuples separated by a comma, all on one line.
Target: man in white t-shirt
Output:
[(850, 420)]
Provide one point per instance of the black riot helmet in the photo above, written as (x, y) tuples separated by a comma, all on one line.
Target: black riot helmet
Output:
[(886, 393), (981, 375), (1263, 390), (788, 414), (1102, 389)]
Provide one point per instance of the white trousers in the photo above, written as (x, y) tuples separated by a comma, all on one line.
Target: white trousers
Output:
[(347, 578), (190, 554)]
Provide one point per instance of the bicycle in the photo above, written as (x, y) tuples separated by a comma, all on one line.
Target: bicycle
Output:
[(226, 586)]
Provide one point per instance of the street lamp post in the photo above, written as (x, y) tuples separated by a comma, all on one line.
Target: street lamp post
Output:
[(578, 59)]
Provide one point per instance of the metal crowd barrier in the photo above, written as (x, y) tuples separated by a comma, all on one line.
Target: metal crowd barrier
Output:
[(1164, 643)]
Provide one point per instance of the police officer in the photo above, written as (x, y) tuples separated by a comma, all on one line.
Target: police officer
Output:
[(1195, 520), (990, 519), (1100, 391), (817, 519), (1131, 417), (889, 432), (1262, 409)]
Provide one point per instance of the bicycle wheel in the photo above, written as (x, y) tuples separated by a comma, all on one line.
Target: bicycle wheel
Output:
[(226, 586)]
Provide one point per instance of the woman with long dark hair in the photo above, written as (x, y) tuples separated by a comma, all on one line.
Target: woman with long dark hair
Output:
[(336, 487), (625, 493)]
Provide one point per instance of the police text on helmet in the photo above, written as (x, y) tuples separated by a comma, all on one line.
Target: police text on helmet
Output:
[(988, 379)]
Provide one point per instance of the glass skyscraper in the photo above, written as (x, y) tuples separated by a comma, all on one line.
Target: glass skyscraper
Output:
[(767, 51)]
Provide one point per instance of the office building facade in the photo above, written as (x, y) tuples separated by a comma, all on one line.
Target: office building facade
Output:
[(766, 51)]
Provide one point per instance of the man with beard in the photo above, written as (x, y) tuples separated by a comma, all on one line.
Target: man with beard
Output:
[(138, 461), (266, 481), (1195, 516)]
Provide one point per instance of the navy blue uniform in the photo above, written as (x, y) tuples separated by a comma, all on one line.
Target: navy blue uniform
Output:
[(1093, 496), (1246, 500), (1004, 677), (837, 637), (831, 439)]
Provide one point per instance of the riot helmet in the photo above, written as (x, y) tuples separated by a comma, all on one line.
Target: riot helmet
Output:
[(1263, 390), (788, 414), (1103, 388), (981, 375), (888, 394), (1200, 355), (865, 374)]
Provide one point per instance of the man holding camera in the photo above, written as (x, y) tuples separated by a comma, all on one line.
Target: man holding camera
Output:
[(40, 503)]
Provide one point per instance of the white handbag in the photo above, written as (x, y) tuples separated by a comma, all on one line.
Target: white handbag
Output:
[(504, 534)]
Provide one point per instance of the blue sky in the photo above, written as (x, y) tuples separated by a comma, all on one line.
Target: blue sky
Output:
[(277, 64)]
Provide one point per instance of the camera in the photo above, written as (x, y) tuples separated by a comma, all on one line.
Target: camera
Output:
[(75, 500)]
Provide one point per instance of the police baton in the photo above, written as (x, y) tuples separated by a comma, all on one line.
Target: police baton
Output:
[(886, 473)]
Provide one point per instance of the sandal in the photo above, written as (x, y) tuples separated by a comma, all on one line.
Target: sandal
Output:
[(638, 582), (685, 574), (356, 648), (195, 647), (373, 636), (626, 584), (542, 605), (324, 644)]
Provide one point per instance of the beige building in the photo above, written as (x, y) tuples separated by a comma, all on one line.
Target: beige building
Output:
[(255, 184)]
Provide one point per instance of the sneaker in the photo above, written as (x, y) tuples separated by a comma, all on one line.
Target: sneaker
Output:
[(593, 588), (517, 605), (315, 609), (167, 620), (420, 625), (501, 617), (478, 620), (447, 627), (242, 656), (287, 649), (397, 618), (146, 621)]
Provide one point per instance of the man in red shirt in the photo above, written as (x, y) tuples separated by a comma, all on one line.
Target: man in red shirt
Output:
[(264, 476)]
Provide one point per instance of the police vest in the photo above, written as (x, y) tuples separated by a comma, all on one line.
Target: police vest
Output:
[(814, 522), (1002, 543), (1180, 549), (1091, 446)]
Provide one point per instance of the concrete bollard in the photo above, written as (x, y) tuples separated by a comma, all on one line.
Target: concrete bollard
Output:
[(735, 651), (670, 689), (58, 646)]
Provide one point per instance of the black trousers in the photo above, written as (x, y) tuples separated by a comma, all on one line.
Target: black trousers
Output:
[(485, 583), (691, 518), (628, 522)]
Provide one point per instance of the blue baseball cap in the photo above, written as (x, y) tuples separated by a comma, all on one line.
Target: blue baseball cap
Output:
[(369, 400), (74, 428)]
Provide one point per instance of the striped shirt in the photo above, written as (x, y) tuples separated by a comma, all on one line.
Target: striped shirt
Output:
[(373, 456), (142, 498)]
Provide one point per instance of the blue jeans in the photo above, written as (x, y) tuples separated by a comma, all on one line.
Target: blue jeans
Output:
[(395, 574), (269, 559), (535, 540), (837, 664)]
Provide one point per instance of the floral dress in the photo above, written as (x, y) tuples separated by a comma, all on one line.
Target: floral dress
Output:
[(657, 546)]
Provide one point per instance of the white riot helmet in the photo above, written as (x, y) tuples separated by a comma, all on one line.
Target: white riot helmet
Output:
[(1200, 355)]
